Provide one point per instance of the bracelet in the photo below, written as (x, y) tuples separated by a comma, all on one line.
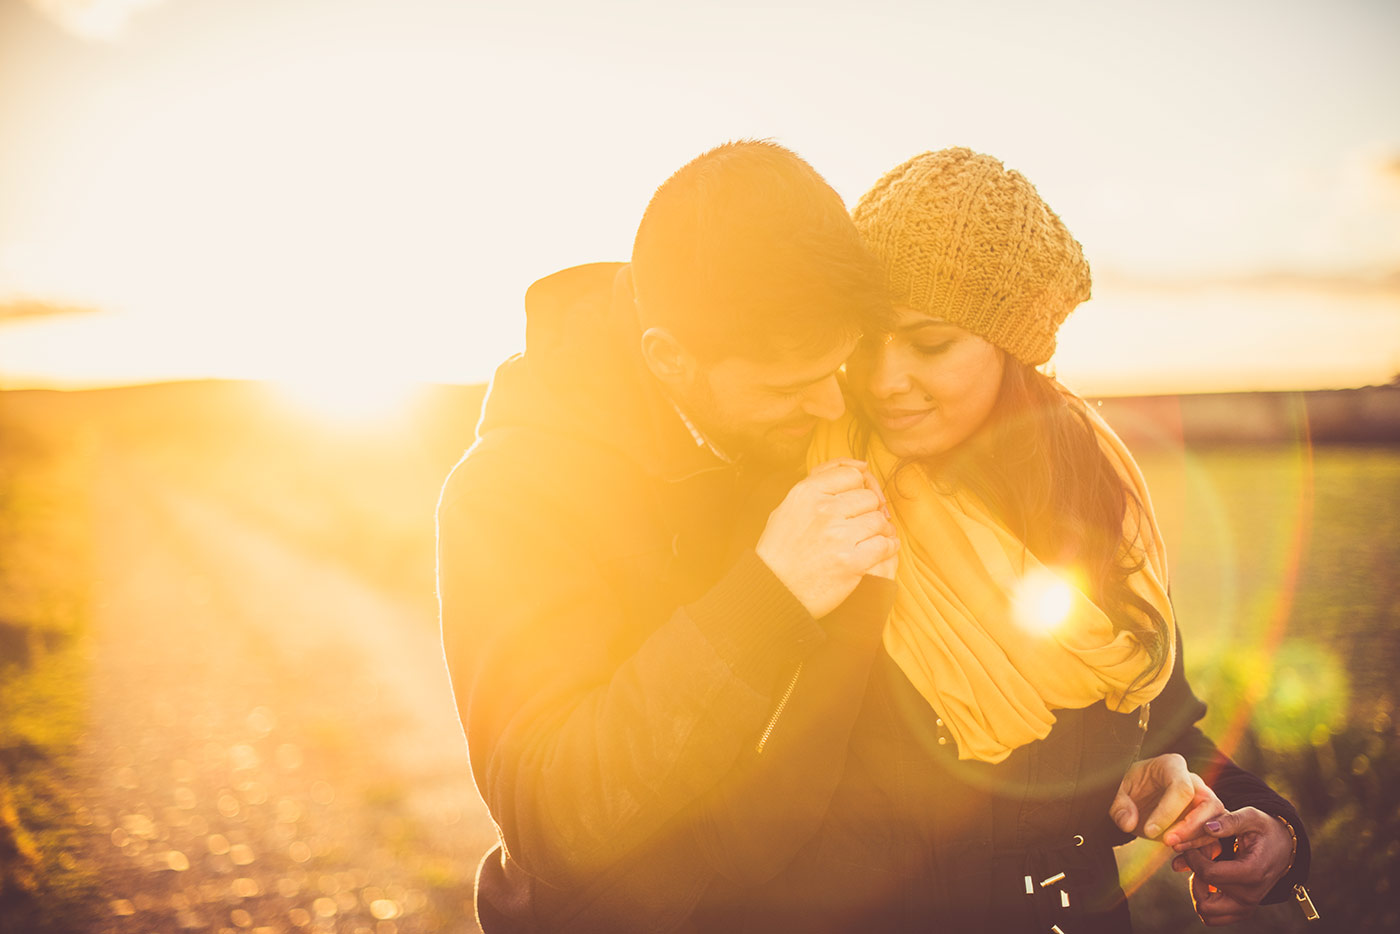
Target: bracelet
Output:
[(1300, 891), (1294, 834)]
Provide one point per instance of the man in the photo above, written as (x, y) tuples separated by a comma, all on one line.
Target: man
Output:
[(622, 618)]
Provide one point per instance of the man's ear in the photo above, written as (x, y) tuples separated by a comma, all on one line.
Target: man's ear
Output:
[(667, 358)]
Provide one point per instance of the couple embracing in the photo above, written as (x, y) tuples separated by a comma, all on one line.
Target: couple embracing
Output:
[(781, 592)]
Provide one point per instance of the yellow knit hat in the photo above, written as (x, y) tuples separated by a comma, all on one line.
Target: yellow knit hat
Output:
[(965, 240)]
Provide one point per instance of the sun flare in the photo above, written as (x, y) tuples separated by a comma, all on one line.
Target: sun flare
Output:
[(1042, 602)]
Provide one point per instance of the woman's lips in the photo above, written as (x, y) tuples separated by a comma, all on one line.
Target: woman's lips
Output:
[(900, 419)]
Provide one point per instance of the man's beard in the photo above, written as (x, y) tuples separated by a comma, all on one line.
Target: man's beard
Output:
[(772, 445)]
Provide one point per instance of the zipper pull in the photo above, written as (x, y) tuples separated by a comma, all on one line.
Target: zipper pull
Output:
[(1300, 892)]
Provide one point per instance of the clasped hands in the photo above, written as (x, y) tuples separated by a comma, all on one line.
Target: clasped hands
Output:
[(832, 529), (1160, 798)]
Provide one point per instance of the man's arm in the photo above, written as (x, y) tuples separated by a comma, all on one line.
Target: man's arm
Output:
[(585, 737), (775, 798)]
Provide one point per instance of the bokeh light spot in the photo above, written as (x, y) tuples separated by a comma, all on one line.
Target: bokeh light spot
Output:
[(384, 909)]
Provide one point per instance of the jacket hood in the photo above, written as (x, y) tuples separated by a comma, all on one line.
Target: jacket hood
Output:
[(582, 374)]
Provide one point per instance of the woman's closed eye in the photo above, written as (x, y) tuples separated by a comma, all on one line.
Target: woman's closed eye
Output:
[(933, 350)]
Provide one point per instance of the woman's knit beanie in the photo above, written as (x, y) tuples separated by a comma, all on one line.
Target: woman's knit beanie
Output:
[(963, 239)]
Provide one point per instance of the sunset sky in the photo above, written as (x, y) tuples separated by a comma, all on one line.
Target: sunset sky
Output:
[(358, 192)]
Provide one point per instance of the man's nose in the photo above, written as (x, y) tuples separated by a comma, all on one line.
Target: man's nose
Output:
[(824, 400)]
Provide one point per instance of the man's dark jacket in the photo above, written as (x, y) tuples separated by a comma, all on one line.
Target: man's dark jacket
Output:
[(618, 651)]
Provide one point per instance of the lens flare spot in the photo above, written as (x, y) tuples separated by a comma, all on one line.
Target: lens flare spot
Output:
[(1293, 698), (1042, 602)]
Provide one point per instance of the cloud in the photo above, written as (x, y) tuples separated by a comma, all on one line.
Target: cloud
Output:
[(1330, 218), (1361, 283), (33, 308), (93, 20)]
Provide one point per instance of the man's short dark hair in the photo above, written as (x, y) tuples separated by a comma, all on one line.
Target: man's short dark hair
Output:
[(747, 251)]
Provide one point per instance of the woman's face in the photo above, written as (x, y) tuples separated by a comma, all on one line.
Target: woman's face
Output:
[(928, 385)]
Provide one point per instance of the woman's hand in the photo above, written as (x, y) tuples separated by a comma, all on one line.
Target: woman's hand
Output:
[(1176, 802), (1229, 890)]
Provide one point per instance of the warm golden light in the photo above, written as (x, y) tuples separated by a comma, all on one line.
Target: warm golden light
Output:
[(1042, 602), (347, 400)]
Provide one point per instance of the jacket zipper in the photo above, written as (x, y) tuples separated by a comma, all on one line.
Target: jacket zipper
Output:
[(1300, 892), (778, 710)]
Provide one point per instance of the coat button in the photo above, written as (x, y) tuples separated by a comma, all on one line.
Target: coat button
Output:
[(942, 740)]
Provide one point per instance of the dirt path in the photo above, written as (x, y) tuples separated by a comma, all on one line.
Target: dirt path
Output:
[(273, 744)]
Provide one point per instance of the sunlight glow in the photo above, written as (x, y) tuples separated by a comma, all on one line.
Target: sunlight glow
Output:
[(349, 400), (1042, 602)]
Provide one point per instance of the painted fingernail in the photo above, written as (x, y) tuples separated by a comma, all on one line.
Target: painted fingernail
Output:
[(1213, 826)]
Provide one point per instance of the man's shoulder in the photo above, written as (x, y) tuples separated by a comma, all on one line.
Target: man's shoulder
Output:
[(527, 466)]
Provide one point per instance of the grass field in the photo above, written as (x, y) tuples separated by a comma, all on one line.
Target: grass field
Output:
[(45, 573), (1286, 591), (1284, 584)]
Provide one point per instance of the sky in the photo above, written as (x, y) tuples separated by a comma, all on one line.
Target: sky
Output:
[(360, 191)]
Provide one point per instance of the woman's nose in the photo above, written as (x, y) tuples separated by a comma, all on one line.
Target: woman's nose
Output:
[(889, 374)]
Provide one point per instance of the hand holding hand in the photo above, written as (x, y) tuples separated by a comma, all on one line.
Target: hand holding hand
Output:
[(1175, 801), (1226, 891), (830, 530)]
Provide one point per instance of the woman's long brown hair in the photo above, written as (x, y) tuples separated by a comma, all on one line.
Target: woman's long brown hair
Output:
[(1037, 466)]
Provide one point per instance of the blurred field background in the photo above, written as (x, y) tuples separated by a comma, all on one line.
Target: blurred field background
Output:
[(222, 705)]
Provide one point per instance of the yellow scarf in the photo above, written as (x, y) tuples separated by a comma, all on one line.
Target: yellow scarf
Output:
[(991, 638)]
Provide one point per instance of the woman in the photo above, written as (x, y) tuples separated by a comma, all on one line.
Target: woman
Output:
[(1032, 628)]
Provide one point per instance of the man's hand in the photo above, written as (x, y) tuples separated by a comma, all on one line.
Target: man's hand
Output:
[(1173, 798), (831, 529), (1226, 891)]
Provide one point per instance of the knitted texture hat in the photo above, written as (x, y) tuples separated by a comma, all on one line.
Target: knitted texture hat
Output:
[(965, 240)]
